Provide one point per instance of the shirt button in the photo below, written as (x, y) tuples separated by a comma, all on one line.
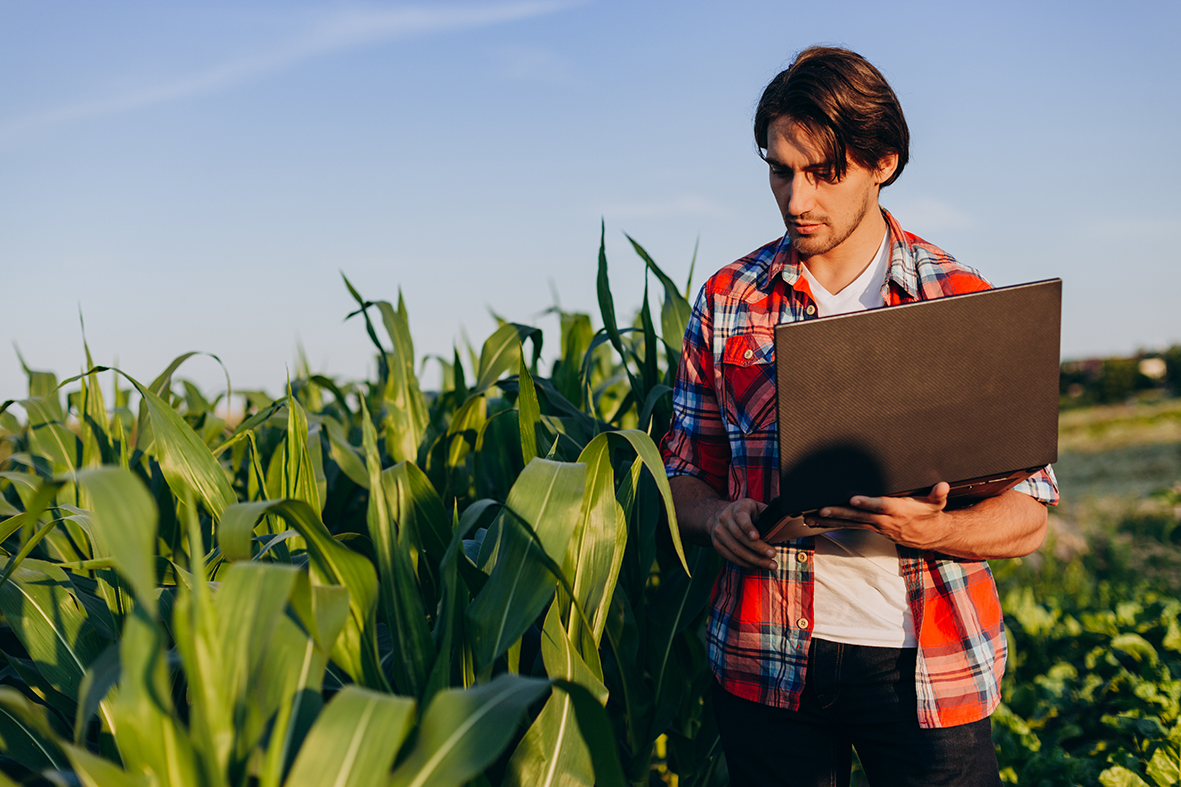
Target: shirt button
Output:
[(810, 310), (748, 354), (802, 623), (802, 557)]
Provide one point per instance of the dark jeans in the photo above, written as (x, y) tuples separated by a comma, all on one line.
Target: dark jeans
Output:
[(854, 696)]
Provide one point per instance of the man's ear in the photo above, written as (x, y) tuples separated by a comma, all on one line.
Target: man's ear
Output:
[(886, 168)]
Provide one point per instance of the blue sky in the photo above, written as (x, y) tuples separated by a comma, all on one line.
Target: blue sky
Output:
[(195, 176)]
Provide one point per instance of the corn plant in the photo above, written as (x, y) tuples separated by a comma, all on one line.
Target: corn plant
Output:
[(358, 583)]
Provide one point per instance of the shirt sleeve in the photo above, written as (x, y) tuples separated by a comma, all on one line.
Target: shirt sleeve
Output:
[(697, 444), (1041, 486)]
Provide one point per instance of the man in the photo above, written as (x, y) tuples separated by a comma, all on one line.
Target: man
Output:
[(885, 636)]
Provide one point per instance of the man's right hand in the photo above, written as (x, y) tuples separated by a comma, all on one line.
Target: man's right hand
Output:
[(727, 526), (734, 536)]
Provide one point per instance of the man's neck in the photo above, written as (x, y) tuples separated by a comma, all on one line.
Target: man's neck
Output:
[(837, 268)]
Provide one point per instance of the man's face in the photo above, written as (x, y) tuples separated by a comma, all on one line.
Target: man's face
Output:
[(820, 212)]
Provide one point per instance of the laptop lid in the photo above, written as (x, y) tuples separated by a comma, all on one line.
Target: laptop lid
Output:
[(891, 401)]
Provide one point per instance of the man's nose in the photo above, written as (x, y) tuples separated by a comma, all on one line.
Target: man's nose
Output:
[(803, 194)]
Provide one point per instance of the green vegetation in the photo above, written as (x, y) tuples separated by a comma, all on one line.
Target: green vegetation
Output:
[(1092, 694), (360, 583), (364, 583), (1117, 380)]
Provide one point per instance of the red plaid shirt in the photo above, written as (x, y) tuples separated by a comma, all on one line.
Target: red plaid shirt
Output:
[(724, 432)]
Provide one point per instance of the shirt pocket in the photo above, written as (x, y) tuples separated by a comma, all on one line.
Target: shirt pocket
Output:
[(748, 381)]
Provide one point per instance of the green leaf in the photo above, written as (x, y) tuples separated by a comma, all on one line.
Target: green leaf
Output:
[(147, 730), (674, 314), (294, 700), (354, 741), (501, 352), (94, 771), (350, 461), (647, 451), (27, 734), (553, 750), (331, 564), (40, 607), (547, 498), (185, 460), (298, 479), (529, 413), (1165, 766), (464, 731), (596, 548), (1119, 776), (124, 518), (101, 676), (224, 647), (606, 300), (406, 411)]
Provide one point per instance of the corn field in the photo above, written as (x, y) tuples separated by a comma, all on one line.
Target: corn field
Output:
[(359, 583)]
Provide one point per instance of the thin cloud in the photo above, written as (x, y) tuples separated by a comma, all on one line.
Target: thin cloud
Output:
[(342, 30)]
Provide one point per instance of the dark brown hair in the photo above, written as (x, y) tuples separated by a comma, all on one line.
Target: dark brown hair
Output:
[(846, 105)]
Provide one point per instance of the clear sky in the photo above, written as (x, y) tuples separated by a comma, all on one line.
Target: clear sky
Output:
[(196, 175)]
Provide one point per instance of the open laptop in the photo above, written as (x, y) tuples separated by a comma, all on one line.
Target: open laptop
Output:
[(891, 401)]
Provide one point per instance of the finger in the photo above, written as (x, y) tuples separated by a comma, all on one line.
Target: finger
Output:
[(749, 552), (851, 514), (939, 493), (877, 505), (837, 522)]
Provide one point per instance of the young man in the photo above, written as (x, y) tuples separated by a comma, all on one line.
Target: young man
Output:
[(885, 636)]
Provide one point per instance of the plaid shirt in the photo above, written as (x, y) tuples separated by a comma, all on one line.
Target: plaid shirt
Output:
[(724, 432)]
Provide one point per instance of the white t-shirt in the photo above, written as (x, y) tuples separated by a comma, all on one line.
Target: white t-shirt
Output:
[(860, 595)]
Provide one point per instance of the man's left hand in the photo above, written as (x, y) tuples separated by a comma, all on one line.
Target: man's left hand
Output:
[(911, 521)]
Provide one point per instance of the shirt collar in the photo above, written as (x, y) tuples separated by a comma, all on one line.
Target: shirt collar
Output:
[(785, 262)]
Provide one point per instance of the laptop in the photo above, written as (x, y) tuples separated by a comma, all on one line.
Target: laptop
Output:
[(891, 401)]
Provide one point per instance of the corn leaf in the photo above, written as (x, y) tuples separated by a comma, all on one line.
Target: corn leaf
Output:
[(331, 564), (401, 599), (184, 458), (40, 607), (27, 734), (354, 741), (674, 314), (298, 480), (124, 519), (406, 411), (529, 413), (546, 499), (553, 750), (463, 731), (596, 548), (149, 737), (94, 771), (298, 662), (646, 450)]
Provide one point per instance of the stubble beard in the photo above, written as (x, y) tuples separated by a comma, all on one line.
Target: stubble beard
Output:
[(810, 245)]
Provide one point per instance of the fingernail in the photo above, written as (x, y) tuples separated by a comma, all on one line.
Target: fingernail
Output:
[(769, 552), (774, 566), (825, 512), (754, 535)]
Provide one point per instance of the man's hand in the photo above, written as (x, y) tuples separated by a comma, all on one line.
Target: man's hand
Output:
[(727, 526), (733, 535), (919, 522), (1012, 524)]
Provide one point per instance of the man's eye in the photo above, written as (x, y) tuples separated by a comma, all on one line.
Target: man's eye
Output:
[(780, 172)]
